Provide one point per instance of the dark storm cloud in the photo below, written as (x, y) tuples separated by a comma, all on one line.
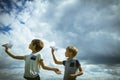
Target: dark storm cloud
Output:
[(83, 13), (101, 50), (92, 26)]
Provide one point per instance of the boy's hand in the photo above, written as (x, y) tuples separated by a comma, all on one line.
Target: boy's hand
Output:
[(5, 45), (57, 71), (72, 76), (6, 48), (8, 45), (52, 50)]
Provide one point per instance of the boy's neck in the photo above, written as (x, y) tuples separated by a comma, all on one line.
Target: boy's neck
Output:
[(33, 52), (71, 57)]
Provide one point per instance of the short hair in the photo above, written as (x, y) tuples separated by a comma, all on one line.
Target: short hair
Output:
[(38, 44), (73, 50)]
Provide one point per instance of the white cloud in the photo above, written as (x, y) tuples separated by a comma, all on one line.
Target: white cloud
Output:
[(6, 19)]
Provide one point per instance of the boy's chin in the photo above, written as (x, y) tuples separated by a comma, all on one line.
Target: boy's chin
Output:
[(67, 56), (30, 48)]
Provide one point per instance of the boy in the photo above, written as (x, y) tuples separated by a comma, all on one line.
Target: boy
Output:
[(32, 61), (71, 64)]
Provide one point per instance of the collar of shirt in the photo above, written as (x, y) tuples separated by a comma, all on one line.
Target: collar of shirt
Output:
[(34, 54)]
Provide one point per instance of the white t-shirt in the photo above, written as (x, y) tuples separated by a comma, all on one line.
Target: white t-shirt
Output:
[(32, 65)]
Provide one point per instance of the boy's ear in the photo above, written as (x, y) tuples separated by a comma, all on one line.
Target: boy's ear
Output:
[(34, 46), (72, 54)]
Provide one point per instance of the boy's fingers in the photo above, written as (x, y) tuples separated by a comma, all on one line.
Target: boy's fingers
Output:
[(52, 50), (4, 45), (58, 72), (72, 76)]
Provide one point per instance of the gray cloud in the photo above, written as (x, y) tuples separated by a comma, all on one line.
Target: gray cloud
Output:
[(79, 19)]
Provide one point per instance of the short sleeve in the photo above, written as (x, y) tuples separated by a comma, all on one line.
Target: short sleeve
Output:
[(77, 63), (64, 63)]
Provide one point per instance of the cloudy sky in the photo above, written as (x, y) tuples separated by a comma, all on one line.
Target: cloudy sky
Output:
[(93, 26)]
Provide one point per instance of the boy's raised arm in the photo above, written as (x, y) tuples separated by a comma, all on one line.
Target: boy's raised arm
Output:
[(54, 58), (11, 55)]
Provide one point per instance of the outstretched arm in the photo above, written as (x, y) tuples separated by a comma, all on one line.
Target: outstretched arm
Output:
[(54, 58), (11, 55), (57, 71)]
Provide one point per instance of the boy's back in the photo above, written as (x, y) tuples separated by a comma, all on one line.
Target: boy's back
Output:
[(31, 65)]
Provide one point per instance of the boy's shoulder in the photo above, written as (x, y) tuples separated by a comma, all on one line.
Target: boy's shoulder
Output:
[(76, 62), (73, 61), (32, 55)]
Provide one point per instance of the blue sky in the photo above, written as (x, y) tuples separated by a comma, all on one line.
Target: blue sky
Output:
[(90, 25), (5, 29)]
